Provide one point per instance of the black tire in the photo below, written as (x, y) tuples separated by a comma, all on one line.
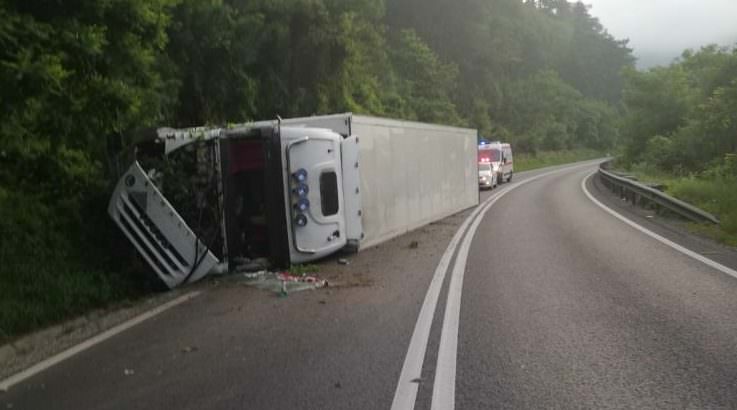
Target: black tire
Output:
[(510, 177)]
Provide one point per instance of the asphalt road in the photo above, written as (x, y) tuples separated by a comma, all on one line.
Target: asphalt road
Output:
[(567, 307), (563, 306)]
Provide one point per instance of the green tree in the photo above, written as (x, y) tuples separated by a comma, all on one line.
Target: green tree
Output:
[(425, 83), (658, 102), (212, 52), (681, 118), (71, 74)]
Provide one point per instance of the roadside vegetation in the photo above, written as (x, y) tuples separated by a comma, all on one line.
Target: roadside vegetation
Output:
[(680, 129), (713, 190), (75, 77)]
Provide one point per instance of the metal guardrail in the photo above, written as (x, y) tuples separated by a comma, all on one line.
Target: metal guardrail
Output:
[(638, 193)]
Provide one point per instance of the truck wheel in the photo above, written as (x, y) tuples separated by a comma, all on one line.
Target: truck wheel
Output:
[(510, 177)]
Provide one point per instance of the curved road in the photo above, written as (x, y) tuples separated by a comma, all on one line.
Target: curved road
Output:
[(550, 302), (565, 306)]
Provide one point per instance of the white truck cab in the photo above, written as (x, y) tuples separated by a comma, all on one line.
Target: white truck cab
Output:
[(319, 166), (289, 194)]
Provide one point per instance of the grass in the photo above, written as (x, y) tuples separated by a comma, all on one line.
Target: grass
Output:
[(51, 287), (714, 194), (38, 293), (302, 270), (526, 162), (45, 290)]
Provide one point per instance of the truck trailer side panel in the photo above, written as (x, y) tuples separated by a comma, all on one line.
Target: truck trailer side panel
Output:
[(412, 174)]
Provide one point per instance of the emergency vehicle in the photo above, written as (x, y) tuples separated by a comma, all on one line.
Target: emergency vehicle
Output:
[(499, 158)]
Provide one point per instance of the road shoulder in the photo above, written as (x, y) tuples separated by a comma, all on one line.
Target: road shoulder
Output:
[(670, 228)]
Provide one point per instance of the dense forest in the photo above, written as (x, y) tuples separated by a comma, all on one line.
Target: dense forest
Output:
[(76, 76), (683, 118)]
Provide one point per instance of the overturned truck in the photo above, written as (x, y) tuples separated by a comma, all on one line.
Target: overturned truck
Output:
[(200, 200)]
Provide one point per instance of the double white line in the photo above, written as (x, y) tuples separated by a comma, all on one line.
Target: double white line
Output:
[(443, 397)]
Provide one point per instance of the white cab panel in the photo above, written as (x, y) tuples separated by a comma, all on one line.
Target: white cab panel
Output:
[(316, 151)]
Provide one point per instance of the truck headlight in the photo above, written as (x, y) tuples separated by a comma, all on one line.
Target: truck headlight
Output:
[(302, 204), (300, 175), (301, 190), (300, 220)]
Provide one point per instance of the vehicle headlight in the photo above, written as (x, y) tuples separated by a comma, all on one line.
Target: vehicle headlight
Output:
[(301, 190), (300, 220), (302, 205), (300, 175)]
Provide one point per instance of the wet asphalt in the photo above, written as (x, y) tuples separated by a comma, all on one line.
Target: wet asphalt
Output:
[(563, 306)]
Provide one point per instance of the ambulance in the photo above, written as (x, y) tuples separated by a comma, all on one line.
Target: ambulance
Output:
[(495, 158)]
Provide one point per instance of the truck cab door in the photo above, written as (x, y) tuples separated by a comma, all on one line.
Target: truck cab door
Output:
[(313, 181)]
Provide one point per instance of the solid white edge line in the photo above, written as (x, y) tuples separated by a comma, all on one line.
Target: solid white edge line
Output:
[(6, 384), (407, 386), (716, 265), (443, 395)]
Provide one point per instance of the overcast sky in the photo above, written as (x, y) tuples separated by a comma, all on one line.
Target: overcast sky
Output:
[(659, 30)]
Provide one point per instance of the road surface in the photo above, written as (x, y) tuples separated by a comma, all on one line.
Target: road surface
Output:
[(548, 301)]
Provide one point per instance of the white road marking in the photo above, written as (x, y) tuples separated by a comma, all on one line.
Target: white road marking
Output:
[(443, 394), (43, 365), (406, 392), (716, 265)]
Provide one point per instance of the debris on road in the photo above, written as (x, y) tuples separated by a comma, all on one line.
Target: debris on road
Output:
[(283, 283), (343, 261), (128, 372), (251, 265), (414, 245), (189, 349)]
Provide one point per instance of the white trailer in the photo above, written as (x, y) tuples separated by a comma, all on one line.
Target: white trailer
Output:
[(297, 190)]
